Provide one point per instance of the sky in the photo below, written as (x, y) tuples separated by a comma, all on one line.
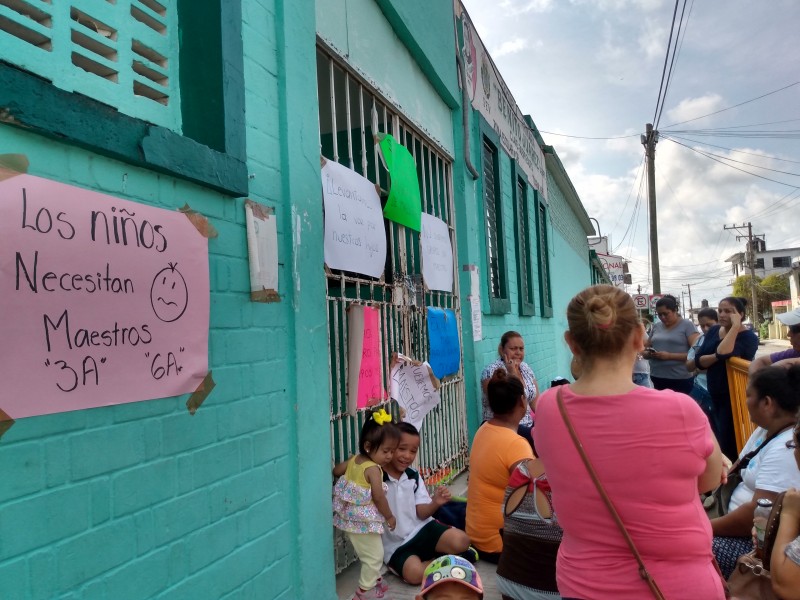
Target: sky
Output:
[(592, 69)]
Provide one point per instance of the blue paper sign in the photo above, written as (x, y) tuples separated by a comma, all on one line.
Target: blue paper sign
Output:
[(445, 351)]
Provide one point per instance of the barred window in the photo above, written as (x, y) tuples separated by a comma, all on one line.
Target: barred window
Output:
[(493, 213), (523, 238), (545, 292)]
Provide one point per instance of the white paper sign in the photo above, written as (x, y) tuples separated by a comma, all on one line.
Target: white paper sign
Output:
[(437, 254), (262, 247), (412, 387), (354, 236), (477, 323), (475, 304)]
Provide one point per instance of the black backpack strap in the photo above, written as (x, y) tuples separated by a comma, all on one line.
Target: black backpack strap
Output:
[(413, 475), (410, 473)]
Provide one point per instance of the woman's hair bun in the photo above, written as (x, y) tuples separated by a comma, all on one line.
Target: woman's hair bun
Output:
[(499, 375), (599, 312)]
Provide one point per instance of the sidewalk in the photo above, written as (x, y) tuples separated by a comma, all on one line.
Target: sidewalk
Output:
[(347, 580)]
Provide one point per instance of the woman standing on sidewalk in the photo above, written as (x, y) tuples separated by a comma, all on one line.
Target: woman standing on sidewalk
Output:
[(729, 338), (669, 343), (652, 450)]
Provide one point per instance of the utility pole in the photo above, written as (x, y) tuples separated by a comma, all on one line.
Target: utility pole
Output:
[(751, 265), (691, 307), (649, 141), (683, 303)]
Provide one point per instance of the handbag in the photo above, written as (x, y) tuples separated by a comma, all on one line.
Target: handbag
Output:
[(751, 579), (643, 573), (716, 503)]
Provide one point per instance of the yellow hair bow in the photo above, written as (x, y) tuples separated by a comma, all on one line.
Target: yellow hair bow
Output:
[(381, 417)]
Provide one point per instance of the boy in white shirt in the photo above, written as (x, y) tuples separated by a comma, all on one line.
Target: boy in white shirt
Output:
[(418, 538)]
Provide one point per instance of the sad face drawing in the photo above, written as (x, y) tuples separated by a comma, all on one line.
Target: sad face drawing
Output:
[(169, 294)]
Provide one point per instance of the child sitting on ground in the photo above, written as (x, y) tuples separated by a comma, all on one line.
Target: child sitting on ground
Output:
[(418, 538), (359, 500), (451, 578)]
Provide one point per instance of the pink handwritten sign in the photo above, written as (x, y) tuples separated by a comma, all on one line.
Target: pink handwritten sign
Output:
[(102, 301), (369, 376), (364, 386)]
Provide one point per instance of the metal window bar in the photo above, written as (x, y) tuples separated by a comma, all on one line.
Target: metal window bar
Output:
[(350, 110), (544, 258), (492, 225), (524, 241)]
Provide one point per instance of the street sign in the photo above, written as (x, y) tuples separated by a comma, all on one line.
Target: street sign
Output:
[(641, 301), (653, 299)]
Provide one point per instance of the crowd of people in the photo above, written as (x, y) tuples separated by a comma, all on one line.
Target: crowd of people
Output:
[(604, 487)]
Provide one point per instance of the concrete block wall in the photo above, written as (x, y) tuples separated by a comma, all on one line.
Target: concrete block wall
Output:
[(142, 500)]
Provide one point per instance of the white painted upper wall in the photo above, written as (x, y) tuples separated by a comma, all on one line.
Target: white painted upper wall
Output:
[(359, 32)]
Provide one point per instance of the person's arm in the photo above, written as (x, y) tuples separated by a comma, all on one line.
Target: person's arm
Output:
[(339, 469), (715, 472), (441, 496), (739, 522), (373, 477), (729, 341), (787, 362), (786, 572), (759, 363)]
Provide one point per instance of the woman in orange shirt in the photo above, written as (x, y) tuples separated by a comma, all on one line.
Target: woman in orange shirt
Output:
[(496, 451)]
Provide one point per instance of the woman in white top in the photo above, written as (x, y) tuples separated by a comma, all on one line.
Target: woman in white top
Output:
[(773, 399)]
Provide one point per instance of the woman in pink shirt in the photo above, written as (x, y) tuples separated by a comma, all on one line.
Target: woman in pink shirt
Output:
[(653, 452)]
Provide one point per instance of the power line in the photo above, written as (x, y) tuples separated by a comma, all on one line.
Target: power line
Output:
[(666, 60), (671, 64), (735, 105), (672, 134), (751, 125), (748, 164), (731, 166), (583, 137)]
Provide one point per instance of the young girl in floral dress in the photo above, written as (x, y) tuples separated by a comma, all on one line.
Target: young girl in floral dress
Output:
[(359, 500)]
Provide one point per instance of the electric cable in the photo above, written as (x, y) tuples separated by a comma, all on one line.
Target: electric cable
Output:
[(734, 106)]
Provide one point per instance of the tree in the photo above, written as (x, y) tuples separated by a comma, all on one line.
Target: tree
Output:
[(772, 288), (776, 287)]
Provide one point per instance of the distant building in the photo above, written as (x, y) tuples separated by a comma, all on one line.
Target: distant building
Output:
[(767, 262)]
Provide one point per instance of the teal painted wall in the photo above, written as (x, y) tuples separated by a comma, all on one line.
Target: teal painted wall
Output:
[(569, 261), (545, 348), (360, 33), (143, 500)]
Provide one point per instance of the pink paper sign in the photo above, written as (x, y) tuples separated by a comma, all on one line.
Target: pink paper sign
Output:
[(102, 301), (369, 376)]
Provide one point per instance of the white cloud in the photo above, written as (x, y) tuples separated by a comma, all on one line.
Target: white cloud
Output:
[(512, 46), (517, 7), (691, 108), (653, 39), (620, 5)]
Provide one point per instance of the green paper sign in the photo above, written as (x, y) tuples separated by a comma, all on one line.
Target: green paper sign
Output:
[(404, 205)]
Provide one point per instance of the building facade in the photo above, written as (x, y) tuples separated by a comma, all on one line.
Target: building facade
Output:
[(171, 103)]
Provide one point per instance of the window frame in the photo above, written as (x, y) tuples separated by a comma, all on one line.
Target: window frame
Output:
[(781, 262), (522, 237), (543, 254), (34, 104), (497, 304)]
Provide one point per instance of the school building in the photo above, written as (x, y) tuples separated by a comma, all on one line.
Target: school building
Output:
[(215, 107)]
